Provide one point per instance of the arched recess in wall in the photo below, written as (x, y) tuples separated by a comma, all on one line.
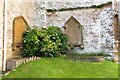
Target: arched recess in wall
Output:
[(20, 26), (73, 29)]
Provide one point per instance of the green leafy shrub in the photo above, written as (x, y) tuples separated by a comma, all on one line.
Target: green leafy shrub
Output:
[(31, 42), (48, 42)]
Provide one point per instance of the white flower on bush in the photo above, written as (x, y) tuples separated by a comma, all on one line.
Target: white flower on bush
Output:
[(53, 37)]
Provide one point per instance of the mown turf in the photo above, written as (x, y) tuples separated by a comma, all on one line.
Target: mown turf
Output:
[(61, 68)]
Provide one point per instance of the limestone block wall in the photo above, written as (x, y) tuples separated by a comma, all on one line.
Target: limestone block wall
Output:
[(1, 33), (97, 27)]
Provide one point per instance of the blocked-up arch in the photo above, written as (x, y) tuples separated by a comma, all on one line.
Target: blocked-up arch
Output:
[(20, 26), (73, 29)]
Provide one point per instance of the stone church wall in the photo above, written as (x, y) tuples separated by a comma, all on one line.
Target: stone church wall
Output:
[(97, 23), (97, 27)]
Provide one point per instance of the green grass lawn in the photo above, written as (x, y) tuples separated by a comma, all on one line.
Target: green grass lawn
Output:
[(0, 77), (61, 68)]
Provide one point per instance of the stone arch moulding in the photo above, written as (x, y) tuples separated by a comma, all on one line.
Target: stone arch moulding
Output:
[(73, 29), (20, 26)]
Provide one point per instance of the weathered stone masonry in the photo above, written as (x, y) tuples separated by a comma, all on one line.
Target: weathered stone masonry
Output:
[(97, 27), (97, 22)]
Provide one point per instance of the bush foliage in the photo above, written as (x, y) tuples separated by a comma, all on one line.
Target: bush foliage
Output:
[(41, 41)]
